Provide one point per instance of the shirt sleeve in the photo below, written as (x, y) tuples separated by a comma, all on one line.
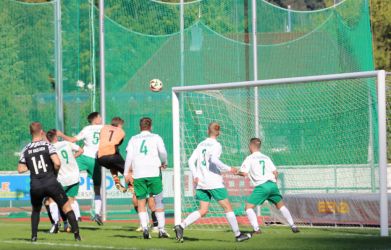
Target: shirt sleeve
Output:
[(162, 150), (22, 160), (129, 158), (215, 159), (245, 168), (52, 149), (74, 147), (81, 135), (272, 166), (192, 163)]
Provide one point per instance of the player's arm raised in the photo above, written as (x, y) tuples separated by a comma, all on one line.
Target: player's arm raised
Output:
[(162, 152), (72, 139)]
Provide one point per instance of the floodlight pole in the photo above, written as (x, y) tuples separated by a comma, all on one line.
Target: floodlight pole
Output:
[(102, 96), (58, 69)]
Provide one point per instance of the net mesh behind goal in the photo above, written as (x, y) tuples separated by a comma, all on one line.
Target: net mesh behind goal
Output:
[(322, 136)]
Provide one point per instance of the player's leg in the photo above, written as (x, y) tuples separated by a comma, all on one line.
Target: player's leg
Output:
[(57, 193), (155, 223), (111, 162), (55, 215), (257, 197), (141, 191), (221, 195), (46, 203), (37, 197), (204, 197), (276, 198), (72, 192), (155, 187), (96, 173)]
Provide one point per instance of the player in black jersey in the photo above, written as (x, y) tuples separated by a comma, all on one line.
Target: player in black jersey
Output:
[(40, 157)]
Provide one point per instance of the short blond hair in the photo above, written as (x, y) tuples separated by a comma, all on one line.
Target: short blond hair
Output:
[(214, 129)]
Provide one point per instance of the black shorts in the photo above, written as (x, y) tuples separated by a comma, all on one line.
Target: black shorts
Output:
[(115, 162), (53, 189)]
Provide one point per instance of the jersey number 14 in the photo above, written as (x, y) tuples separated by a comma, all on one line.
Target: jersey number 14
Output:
[(40, 164)]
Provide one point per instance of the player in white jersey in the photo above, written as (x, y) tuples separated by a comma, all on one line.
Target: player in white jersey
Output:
[(206, 169), (263, 175), (68, 176), (87, 161), (146, 155)]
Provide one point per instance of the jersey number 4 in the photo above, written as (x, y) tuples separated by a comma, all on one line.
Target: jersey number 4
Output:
[(143, 148), (40, 164)]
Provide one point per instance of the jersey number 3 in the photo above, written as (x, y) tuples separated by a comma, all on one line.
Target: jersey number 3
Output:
[(143, 148)]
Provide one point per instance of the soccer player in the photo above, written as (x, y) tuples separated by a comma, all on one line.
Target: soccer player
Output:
[(111, 137), (68, 176), (146, 155), (263, 175), (40, 157), (87, 161), (207, 177)]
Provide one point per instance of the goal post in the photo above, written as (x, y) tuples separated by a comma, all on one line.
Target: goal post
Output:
[(320, 130)]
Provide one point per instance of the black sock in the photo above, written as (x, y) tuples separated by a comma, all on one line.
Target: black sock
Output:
[(73, 222), (154, 219), (63, 216), (34, 222), (136, 209), (49, 214)]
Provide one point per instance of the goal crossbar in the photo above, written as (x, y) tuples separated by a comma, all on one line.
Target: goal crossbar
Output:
[(380, 76)]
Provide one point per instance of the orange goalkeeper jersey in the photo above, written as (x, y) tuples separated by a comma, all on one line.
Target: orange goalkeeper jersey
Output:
[(109, 140)]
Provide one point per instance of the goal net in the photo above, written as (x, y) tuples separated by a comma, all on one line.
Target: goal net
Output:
[(321, 132)]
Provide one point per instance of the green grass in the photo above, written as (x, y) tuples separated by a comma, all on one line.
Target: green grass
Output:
[(15, 235)]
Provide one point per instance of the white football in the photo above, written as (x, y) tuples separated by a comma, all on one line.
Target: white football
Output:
[(155, 85)]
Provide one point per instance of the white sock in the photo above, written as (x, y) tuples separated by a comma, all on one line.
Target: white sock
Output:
[(233, 222), (252, 217), (54, 211), (143, 219), (98, 204), (76, 209), (161, 220), (191, 218), (287, 215), (147, 217)]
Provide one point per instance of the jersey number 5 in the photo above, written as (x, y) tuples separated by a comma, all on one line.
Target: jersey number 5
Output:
[(96, 138), (143, 148), (262, 166)]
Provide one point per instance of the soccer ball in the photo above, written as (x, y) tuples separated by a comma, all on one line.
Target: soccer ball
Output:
[(155, 85)]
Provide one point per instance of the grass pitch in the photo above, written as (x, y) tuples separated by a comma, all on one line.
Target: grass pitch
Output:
[(120, 235)]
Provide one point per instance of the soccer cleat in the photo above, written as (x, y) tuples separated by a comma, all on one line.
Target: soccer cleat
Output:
[(98, 219), (79, 219), (139, 229), (295, 229), (243, 237), (179, 233), (77, 236), (155, 230), (146, 234), (163, 234), (55, 228), (121, 188), (34, 238), (256, 232)]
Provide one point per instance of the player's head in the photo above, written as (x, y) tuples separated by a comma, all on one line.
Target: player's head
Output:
[(117, 122), (36, 130), (213, 129), (51, 135), (94, 118), (146, 124), (255, 145)]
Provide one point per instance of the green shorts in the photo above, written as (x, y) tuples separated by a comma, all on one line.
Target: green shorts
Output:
[(144, 187), (266, 191), (92, 167), (206, 194), (72, 190)]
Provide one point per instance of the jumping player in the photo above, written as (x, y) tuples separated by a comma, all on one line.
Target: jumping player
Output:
[(263, 175), (146, 155), (207, 177), (111, 137), (40, 157), (87, 161)]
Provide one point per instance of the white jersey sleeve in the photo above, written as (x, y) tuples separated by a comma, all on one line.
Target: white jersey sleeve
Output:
[(129, 158), (192, 163), (81, 135), (74, 147), (215, 159), (162, 150), (246, 165)]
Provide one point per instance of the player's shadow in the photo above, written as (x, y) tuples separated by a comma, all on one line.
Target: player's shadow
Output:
[(127, 236)]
